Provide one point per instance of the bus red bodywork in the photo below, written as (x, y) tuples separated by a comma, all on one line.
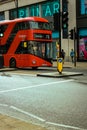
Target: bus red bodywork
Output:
[(26, 42)]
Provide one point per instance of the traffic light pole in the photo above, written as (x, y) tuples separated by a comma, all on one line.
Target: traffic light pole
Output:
[(75, 49), (60, 29), (73, 37)]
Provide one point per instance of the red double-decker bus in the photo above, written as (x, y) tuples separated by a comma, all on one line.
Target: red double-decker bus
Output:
[(26, 42)]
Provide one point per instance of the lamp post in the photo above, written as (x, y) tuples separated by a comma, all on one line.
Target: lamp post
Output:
[(16, 5)]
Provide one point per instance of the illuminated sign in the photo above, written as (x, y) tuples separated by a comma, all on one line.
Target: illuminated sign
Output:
[(49, 8), (83, 32), (34, 10), (42, 36), (45, 9), (83, 7), (22, 12)]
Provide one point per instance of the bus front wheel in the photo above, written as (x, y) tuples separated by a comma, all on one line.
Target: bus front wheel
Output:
[(12, 63)]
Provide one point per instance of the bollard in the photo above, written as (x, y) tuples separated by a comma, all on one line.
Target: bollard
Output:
[(60, 65)]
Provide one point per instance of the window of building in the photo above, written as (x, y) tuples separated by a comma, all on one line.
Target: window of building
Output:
[(2, 16)]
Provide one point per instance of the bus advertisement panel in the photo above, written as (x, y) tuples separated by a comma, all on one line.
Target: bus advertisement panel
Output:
[(83, 48)]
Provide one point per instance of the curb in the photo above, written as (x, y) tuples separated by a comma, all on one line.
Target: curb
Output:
[(57, 75)]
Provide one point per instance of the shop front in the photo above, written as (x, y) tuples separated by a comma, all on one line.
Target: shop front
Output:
[(81, 16), (82, 45)]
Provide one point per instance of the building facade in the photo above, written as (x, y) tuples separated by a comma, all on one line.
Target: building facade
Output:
[(81, 18), (46, 9)]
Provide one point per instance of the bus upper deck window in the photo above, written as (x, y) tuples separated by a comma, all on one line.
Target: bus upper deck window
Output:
[(33, 25), (40, 25)]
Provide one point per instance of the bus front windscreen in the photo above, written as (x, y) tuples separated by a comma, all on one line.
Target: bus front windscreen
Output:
[(39, 49), (40, 25)]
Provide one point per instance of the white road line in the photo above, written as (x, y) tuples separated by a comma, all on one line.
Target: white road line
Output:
[(43, 120), (20, 74), (65, 126), (3, 105), (38, 85), (27, 113)]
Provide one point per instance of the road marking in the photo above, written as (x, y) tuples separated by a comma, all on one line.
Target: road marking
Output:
[(27, 113), (43, 120), (19, 74), (3, 105), (38, 85), (65, 126)]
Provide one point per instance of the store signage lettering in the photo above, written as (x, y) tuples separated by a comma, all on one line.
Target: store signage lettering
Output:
[(49, 11), (56, 7), (21, 13), (50, 8), (34, 11), (44, 9)]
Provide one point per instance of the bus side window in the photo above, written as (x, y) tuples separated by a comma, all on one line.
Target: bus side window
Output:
[(15, 28), (22, 48), (4, 27), (27, 25), (23, 25)]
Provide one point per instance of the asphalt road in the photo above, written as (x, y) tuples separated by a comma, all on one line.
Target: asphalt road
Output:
[(53, 102)]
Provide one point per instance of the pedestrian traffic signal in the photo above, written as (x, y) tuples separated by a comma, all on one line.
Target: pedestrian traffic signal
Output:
[(1, 31), (64, 20), (71, 34), (56, 18)]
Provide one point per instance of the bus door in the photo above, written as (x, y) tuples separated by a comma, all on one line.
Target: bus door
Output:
[(22, 54)]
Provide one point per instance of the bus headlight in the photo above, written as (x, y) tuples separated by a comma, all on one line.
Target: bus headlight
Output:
[(33, 61)]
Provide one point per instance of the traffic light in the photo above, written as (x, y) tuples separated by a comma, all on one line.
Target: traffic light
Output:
[(1, 31), (56, 18), (71, 34), (64, 20)]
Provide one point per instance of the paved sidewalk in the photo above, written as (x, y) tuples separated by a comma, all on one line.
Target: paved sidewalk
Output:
[(9, 123), (79, 65)]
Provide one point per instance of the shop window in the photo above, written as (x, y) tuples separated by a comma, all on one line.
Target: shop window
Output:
[(82, 44)]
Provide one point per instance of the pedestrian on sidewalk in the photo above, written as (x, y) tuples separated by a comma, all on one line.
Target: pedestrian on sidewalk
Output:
[(72, 55), (63, 55)]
